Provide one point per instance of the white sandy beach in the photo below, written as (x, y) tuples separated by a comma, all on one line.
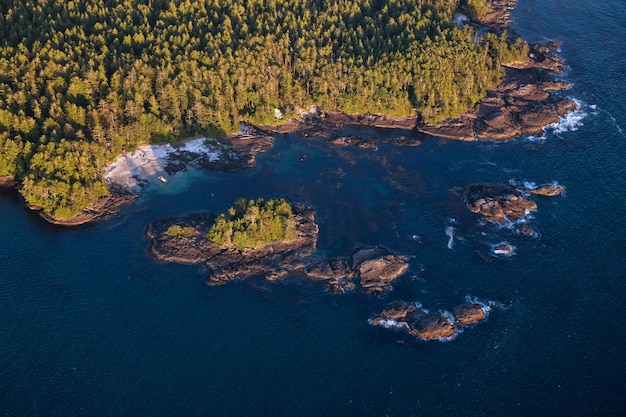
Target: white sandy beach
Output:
[(147, 163)]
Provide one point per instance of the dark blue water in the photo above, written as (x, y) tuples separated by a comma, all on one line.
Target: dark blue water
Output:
[(91, 325)]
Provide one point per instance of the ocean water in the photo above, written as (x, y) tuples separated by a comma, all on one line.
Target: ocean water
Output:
[(91, 325)]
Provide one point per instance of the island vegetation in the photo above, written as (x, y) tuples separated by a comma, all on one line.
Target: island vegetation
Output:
[(252, 223), (179, 231), (82, 81)]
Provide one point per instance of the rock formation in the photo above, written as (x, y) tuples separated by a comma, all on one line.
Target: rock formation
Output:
[(273, 260), (523, 104), (374, 268), (427, 325), (497, 202), (500, 202)]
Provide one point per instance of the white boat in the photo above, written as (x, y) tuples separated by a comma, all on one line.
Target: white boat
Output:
[(162, 179)]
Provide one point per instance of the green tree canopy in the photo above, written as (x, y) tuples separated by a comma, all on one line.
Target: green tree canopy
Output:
[(252, 223), (83, 80)]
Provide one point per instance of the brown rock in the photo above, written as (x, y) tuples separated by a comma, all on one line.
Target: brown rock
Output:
[(525, 229), (377, 274), (468, 313), (497, 202), (503, 248), (275, 260), (8, 181), (549, 190), (425, 325), (430, 326), (340, 286), (398, 310), (335, 268)]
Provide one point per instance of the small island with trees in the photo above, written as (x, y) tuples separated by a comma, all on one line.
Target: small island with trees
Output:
[(274, 239), (253, 223)]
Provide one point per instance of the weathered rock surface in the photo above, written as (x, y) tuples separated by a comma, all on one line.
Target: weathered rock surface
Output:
[(430, 326), (376, 274), (498, 16), (334, 268), (427, 325), (503, 248), (500, 202), (549, 190), (497, 202), (375, 268), (275, 260), (523, 104), (468, 313), (328, 126), (187, 250)]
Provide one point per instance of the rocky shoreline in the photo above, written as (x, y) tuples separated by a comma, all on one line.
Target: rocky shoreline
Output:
[(370, 269), (523, 104)]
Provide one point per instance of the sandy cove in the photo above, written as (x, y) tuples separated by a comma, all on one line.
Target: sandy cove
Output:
[(136, 169)]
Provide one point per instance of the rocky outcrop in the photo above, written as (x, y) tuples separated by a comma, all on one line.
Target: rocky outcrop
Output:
[(549, 190), (373, 268), (498, 16), (523, 104), (427, 325), (503, 248), (328, 126), (500, 203), (377, 274), (250, 141), (8, 181), (274, 260), (496, 202), (468, 313)]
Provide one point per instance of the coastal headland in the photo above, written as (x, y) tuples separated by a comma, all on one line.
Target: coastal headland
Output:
[(523, 103)]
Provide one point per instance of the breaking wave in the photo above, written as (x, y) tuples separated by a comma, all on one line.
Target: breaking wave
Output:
[(389, 324), (571, 121), (486, 306), (450, 233)]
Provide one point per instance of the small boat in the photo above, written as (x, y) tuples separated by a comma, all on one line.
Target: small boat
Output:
[(162, 179)]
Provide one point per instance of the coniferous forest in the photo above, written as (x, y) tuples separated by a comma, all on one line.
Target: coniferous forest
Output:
[(81, 81)]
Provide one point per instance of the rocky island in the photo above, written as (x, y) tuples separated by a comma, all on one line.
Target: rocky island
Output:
[(194, 239), (500, 203), (426, 325)]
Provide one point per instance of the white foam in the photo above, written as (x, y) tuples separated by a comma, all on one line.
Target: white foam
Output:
[(503, 248), (389, 324), (571, 121), (450, 233), (448, 316), (485, 306), (448, 339)]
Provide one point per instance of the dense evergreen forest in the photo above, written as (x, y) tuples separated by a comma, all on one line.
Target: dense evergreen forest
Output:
[(251, 223), (83, 80)]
